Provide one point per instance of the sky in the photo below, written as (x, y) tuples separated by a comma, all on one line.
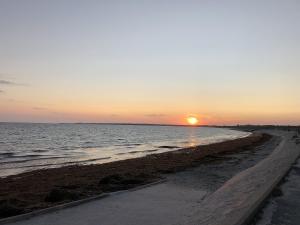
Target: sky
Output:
[(225, 62)]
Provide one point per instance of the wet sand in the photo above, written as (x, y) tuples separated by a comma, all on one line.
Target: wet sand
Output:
[(45, 188)]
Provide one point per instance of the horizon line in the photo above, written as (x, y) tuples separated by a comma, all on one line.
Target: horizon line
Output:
[(156, 124)]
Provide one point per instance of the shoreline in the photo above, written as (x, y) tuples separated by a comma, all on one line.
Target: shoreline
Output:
[(45, 188), (56, 146)]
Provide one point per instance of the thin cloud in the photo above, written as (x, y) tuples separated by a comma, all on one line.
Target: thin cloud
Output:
[(1, 92), (11, 83), (7, 82)]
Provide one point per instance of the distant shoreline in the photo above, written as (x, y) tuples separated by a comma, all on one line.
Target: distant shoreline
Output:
[(239, 127), (125, 124), (44, 188)]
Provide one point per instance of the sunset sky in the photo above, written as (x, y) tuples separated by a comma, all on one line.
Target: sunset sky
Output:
[(225, 62)]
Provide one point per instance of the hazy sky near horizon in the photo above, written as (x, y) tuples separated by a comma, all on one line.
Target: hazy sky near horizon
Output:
[(226, 62)]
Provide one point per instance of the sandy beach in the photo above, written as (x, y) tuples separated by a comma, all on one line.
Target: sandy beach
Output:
[(40, 189), (149, 112), (196, 195)]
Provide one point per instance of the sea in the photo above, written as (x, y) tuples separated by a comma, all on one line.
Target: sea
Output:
[(31, 146)]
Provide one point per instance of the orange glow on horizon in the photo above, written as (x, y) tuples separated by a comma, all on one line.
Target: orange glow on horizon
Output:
[(22, 111), (192, 120)]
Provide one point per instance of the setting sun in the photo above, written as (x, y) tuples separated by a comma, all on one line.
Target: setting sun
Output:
[(192, 120)]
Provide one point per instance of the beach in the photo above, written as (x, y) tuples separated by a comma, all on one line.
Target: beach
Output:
[(28, 147), (149, 112), (45, 188), (227, 189)]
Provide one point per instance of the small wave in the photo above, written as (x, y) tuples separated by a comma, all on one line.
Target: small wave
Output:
[(68, 148), (91, 160), (91, 147), (134, 152), (40, 150), (60, 164), (136, 144), (29, 156), (14, 156), (144, 151), (122, 153), (122, 145), (154, 150), (168, 146), (29, 160), (7, 154)]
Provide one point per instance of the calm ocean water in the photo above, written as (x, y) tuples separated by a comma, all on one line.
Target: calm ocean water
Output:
[(25, 147)]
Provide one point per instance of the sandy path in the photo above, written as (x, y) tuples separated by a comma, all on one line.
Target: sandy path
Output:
[(239, 198), (283, 207)]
